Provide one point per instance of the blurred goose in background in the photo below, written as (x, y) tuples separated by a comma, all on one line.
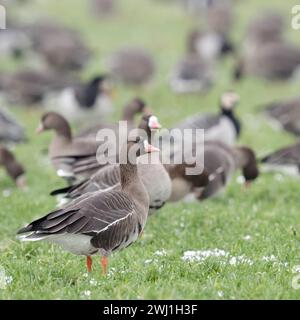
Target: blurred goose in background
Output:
[(266, 53), (62, 48), (13, 168), (220, 162), (10, 130), (224, 127), (285, 160), (14, 43), (131, 66), (134, 107), (28, 87), (193, 74), (153, 175), (64, 150), (99, 222), (86, 101), (214, 42), (103, 8), (286, 114)]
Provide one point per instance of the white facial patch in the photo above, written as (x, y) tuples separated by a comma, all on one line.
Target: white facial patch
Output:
[(153, 123)]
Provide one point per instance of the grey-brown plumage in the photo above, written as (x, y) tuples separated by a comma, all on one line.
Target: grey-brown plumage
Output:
[(153, 175), (286, 160), (286, 114), (62, 48), (102, 8), (10, 130), (192, 74), (13, 168), (132, 66), (64, 151), (28, 87), (101, 222)]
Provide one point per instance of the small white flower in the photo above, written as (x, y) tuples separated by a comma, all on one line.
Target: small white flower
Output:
[(220, 294), (271, 258), (233, 261), (93, 282), (247, 237), (296, 269), (87, 293), (148, 261), (161, 253)]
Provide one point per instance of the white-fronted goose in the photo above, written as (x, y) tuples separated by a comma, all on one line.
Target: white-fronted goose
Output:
[(224, 126), (28, 87), (222, 161), (64, 151), (84, 101), (101, 222), (153, 175), (13, 168), (134, 107), (10, 130), (286, 114), (62, 48), (193, 74), (131, 66), (285, 160)]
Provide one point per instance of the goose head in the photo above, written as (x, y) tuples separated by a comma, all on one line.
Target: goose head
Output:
[(229, 100)]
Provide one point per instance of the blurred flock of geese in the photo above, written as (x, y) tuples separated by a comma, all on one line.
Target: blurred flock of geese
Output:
[(104, 208)]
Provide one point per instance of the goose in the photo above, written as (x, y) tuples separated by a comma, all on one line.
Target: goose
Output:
[(29, 87), (131, 65), (103, 8), (193, 74), (153, 175), (286, 114), (217, 165), (222, 161), (10, 130), (82, 102), (62, 48), (99, 222), (285, 160), (224, 127), (64, 150), (131, 109), (13, 168)]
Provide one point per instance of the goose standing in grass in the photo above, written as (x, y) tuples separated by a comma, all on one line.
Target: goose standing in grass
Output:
[(101, 222), (285, 114), (153, 175), (10, 130), (217, 165), (285, 160), (28, 87), (13, 168), (193, 74), (82, 102), (132, 66), (62, 48), (64, 150), (134, 107)]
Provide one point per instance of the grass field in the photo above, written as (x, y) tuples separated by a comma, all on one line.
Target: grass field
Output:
[(257, 229)]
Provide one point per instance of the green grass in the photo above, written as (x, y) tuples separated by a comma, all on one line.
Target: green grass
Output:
[(268, 212)]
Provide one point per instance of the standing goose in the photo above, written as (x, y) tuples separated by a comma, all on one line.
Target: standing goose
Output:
[(101, 222), (224, 127), (131, 66), (82, 102), (134, 107), (13, 168), (153, 175), (64, 151), (286, 114), (193, 74), (222, 161), (285, 160), (10, 129)]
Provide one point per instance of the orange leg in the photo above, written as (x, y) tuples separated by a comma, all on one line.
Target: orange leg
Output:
[(89, 263), (104, 263)]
